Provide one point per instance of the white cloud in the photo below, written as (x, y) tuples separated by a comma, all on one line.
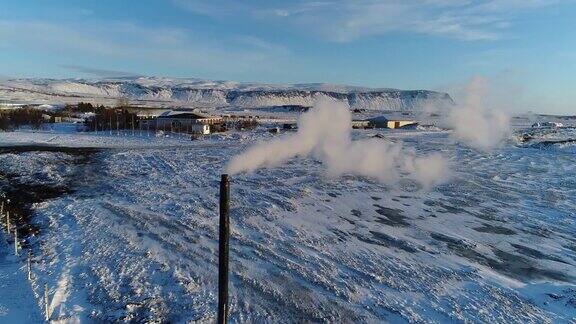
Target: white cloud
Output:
[(121, 40), (98, 72), (345, 20)]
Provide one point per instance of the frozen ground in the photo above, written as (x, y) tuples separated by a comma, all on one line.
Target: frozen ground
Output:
[(17, 300), (131, 234)]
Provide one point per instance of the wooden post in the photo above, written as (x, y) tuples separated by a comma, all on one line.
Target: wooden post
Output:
[(15, 241), (223, 249), (46, 306), (29, 265)]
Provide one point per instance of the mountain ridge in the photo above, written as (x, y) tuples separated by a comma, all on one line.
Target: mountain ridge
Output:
[(169, 92)]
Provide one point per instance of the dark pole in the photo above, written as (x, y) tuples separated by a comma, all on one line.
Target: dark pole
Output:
[(223, 249)]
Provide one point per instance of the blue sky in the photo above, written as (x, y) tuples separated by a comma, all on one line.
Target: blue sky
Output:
[(527, 47)]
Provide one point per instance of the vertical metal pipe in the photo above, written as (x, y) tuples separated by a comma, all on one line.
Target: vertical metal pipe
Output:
[(223, 249)]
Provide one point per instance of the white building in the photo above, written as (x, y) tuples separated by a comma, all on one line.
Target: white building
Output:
[(186, 121), (383, 122), (203, 129)]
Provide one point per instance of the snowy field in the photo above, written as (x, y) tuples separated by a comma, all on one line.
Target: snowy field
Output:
[(132, 233)]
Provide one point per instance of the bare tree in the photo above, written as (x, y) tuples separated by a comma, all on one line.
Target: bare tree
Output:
[(122, 102)]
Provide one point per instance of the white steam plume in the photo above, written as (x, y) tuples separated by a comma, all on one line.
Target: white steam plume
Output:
[(324, 132), (474, 122)]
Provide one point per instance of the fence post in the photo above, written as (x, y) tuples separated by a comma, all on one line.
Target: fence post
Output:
[(223, 249), (46, 307), (15, 241), (29, 265)]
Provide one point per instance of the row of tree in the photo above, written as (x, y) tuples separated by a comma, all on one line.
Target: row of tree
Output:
[(86, 107), (11, 119), (102, 119), (112, 119)]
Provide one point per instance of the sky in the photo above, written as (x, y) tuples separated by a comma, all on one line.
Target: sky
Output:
[(523, 47)]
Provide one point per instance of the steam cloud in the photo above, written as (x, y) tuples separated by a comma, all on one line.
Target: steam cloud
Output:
[(474, 123), (325, 133)]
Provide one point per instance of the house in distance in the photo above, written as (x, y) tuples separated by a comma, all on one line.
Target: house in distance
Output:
[(383, 122), (188, 121)]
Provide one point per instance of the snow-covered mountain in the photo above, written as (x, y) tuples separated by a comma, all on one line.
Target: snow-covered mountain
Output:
[(164, 92)]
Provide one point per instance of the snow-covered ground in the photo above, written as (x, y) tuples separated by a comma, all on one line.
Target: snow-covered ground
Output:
[(17, 299), (135, 236)]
